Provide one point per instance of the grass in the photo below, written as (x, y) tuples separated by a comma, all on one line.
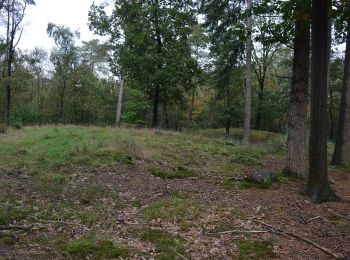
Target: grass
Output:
[(10, 213), (91, 247), (176, 208), (255, 250), (167, 245)]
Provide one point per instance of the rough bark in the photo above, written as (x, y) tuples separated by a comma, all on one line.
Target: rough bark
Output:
[(341, 155), (318, 188), (248, 77), (118, 111), (297, 125)]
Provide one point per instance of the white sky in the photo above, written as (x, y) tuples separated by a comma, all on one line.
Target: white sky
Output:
[(71, 13)]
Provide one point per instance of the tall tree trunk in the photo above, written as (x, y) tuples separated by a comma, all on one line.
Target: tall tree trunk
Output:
[(248, 79), (118, 111), (318, 188), (156, 95), (297, 125), (260, 102), (191, 105), (341, 153)]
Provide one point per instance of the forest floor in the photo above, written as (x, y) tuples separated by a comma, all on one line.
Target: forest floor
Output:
[(101, 193)]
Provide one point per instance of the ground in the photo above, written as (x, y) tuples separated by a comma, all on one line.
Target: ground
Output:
[(102, 193)]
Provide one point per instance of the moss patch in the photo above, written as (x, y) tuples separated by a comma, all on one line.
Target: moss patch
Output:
[(177, 173), (91, 247), (255, 250)]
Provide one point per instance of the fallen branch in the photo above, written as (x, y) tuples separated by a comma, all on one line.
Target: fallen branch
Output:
[(58, 222), (339, 215), (279, 231), (311, 219), (237, 231)]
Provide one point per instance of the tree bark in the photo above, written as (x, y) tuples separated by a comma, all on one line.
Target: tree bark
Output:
[(341, 155), (248, 78), (260, 101), (297, 125), (118, 111), (318, 188)]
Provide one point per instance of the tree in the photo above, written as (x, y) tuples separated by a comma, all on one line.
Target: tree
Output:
[(13, 12), (36, 61), (118, 111), (318, 188), (297, 125), (341, 155), (150, 44), (248, 79), (225, 25), (263, 51), (64, 57)]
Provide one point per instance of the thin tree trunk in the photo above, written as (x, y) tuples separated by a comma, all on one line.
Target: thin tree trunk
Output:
[(248, 80), (156, 95), (318, 188), (118, 111), (297, 125), (155, 106), (260, 102), (341, 153)]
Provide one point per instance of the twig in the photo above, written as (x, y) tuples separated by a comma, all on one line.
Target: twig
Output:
[(279, 231), (58, 222), (180, 255), (311, 219), (338, 215), (237, 231)]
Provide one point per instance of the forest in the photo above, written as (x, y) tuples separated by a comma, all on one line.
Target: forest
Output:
[(185, 129)]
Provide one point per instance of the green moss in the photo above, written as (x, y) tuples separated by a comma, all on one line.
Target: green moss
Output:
[(177, 173), (255, 250), (166, 244), (244, 185), (91, 247)]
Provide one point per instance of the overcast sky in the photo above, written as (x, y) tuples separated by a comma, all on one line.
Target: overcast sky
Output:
[(72, 13)]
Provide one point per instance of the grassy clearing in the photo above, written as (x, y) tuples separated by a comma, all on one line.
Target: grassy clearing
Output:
[(52, 174)]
